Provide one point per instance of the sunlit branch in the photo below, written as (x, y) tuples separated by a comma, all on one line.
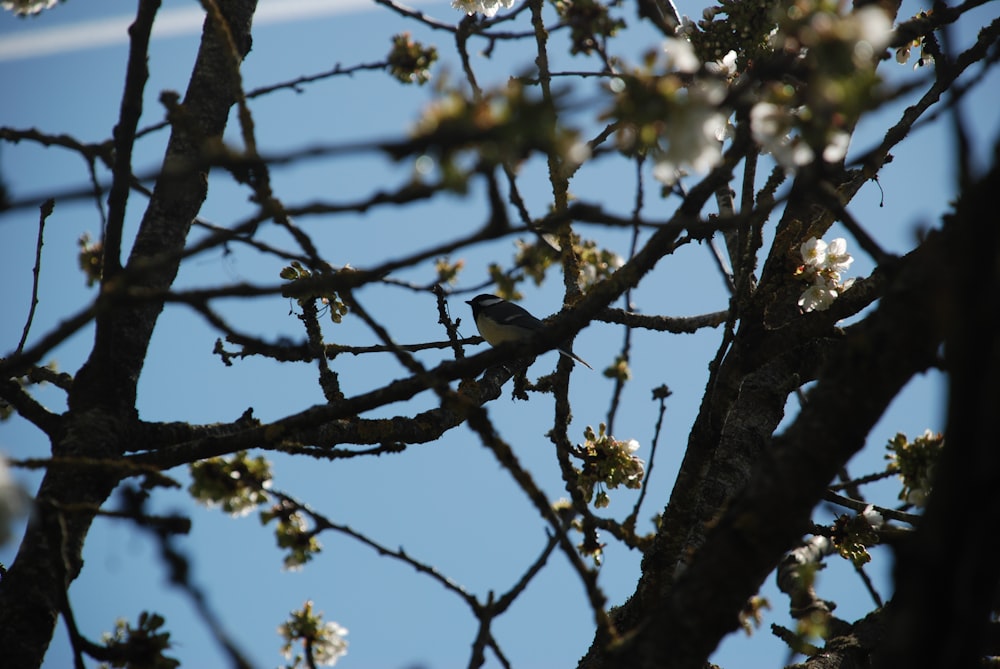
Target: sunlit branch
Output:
[(451, 327), (329, 381), (676, 324)]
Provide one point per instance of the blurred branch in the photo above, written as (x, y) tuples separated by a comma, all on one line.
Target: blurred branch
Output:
[(179, 574)]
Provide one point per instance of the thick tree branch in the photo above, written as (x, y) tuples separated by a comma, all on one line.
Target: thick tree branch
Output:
[(769, 515)]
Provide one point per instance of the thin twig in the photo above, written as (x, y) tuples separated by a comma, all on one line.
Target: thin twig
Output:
[(324, 523), (46, 211), (661, 393), (859, 507)]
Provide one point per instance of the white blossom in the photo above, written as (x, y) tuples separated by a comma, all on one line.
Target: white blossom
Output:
[(813, 253), (837, 257), (822, 265), (331, 644), (487, 8), (681, 56), (873, 517), (724, 67), (817, 297), (836, 147)]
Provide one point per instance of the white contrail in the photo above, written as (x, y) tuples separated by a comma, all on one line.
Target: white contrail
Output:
[(39, 40)]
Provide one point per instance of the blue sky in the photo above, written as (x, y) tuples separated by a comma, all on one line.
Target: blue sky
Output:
[(448, 504)]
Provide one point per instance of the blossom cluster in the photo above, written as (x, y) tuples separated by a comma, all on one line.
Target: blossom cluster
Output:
[(238, 484), (292, 533), (915, 461), (608, 462), (852, 535), (698, 123), (676, 108), (822, 265), (835, 52), (148, 635), (596, 263), (674, 111), (324, 641)]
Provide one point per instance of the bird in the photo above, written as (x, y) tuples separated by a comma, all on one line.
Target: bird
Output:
[(500, 321)]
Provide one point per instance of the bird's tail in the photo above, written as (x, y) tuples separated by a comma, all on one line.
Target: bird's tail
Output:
[(575, 357)]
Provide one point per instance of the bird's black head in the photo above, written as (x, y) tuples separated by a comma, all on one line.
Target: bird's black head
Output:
[(480, 302)]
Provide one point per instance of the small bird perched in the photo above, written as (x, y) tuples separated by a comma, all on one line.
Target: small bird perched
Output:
[(501, 321)]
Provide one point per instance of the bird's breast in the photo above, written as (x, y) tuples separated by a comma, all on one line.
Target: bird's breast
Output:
[(496, 335)]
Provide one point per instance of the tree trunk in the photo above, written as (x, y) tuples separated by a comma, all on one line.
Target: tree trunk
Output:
[(95, 431)]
